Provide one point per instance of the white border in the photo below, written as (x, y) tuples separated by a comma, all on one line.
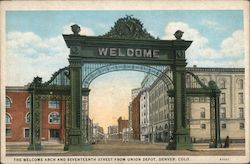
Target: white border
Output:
[(130, 5)]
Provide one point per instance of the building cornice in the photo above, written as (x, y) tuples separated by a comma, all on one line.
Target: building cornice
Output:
[(16, 88), (206, 69)]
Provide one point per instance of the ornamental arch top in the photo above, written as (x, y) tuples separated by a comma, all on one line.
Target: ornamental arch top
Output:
[(127, 46)]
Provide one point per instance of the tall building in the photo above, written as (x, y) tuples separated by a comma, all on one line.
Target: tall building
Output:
[(144, 115), (136, 117), (134, 93), (122, 124), (160, 108)]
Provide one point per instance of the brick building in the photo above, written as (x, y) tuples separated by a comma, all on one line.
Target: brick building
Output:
[(17, 116), (136, 117), (121, 125)]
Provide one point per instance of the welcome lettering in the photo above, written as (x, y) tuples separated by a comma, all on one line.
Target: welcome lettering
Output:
[(129, 52)]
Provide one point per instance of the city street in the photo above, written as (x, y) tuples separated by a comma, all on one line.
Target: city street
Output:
[(118, 148)]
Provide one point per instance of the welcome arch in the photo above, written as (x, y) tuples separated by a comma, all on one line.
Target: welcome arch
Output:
[(126, 44)]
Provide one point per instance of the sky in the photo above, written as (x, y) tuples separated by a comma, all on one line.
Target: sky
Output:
[(35, 47)]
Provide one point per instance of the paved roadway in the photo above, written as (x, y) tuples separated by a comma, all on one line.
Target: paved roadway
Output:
[(118, 148)]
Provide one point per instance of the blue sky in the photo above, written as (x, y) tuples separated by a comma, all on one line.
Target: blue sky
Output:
[(210, 23), (35, 47)]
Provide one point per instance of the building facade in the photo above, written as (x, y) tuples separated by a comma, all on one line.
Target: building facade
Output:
[(144, 115), (17, 116), (136, 117), (113, 132), (232, 122), (122, 124), (98, 133), (231, 84)]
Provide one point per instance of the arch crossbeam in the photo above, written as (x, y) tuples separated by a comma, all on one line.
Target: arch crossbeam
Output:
[(90, 73)]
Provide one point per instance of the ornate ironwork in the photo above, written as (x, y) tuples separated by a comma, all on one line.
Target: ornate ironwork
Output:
[(92, 71), (128, 28), (193, 81), (60, 77)]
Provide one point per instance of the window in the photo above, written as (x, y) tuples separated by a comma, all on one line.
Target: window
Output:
[(7, 102), (241, 112), (26, 133), (28, 103), (222, 84), (53, 104), (242, 125), (203, 113), (8, 132), (7, 118), (240, 84), (223, 113), (223, 125), (223, 98), (54, 117), (27, 117), (203, 126), (241, 99)]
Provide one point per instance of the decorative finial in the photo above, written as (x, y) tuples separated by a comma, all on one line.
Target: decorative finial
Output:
[(178, 34), (75, 29)]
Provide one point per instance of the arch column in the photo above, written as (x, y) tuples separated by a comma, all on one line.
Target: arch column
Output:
[(75, 135), (35, 116), (215, 141), (181, 135)]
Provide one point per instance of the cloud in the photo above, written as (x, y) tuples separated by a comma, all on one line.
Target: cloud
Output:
[(199, 53), (29, 55), (211, 24), (233, 45), (84, 30)]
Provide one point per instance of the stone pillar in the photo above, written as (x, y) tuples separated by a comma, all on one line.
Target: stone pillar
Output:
[(75, 135), (181, 135), (35, 123)]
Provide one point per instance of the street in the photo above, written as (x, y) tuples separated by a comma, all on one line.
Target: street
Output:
[(118, 148)]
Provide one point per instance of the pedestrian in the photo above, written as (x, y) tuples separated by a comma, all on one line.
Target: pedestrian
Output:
[(226, 145)]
